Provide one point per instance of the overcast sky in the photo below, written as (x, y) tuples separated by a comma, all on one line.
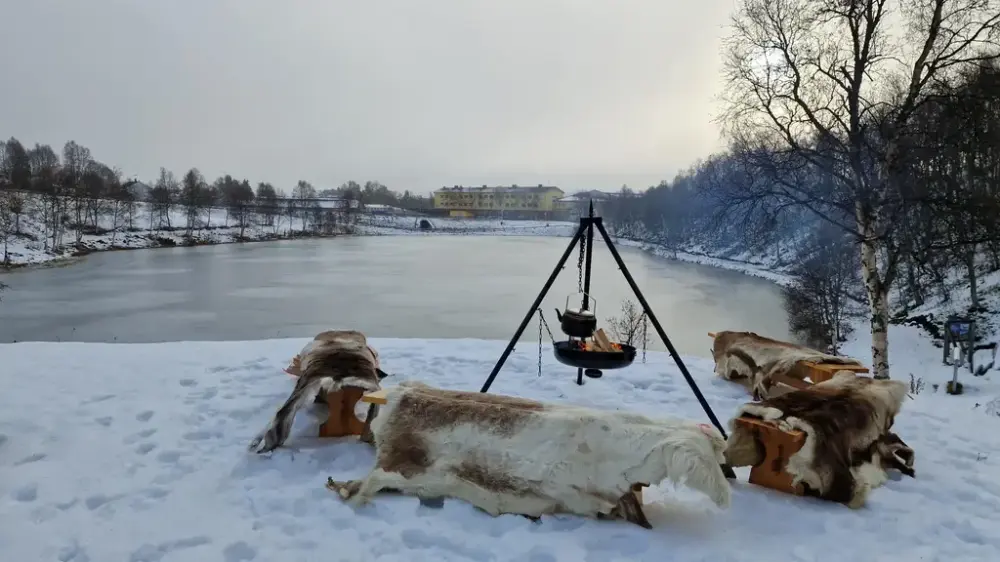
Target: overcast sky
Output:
[(583, 94)]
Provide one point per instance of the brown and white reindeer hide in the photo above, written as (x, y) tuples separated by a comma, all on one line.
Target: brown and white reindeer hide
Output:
[(512, 455), (751, 359), (332, 361), (848, 445)]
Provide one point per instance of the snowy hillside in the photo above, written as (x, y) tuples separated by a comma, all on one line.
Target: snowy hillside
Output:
[(138, 453)]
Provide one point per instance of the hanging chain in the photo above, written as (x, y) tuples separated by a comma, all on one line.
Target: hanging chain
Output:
[(539, 342), (579, 266), (645, 338), (541, 317), (542, 322)]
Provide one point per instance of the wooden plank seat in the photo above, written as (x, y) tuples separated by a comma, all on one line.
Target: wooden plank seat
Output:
[(808, 373), (341, 421), (777, 446)]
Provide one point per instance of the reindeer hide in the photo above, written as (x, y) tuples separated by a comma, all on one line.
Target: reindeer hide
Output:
[(332, 361), (848, 444), (751, 359), (511, 455)]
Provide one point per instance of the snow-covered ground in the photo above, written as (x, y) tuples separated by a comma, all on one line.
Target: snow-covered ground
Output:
[(743, 263), (137, 453), (28, 248)]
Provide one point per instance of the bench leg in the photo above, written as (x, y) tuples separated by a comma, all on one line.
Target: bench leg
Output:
[(770, 473), (629, 508), (341, 420)]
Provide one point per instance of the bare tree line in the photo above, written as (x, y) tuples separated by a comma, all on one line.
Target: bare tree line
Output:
[(76, 195), (860, 130)]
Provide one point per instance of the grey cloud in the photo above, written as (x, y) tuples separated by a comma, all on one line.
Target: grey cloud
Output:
[(578, 93)]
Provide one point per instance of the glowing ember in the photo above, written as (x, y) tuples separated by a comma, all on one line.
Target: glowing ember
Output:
[(589, 345)]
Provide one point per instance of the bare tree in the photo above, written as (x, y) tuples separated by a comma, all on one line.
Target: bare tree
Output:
[(163, 196), (76, 162), (825, 294), (45, 180), (208, 196), (303, 193), (15, 166), (190, 198), (267, 203), (629, 328), (122, 205), (242, 206), (6, 225), (827, 85), (291, 210), (351, 194), (15, 202)]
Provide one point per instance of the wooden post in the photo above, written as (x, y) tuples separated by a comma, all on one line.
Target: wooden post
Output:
[(819, 372)]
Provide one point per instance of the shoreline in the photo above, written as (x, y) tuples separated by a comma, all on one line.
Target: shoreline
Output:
[(79, 255), (153, 243), (750, 269)]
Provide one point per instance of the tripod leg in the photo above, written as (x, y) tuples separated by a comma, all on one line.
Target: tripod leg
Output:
[(663, 336), (534, 307), (588, 243)]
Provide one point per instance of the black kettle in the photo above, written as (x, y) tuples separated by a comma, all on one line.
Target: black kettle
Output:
[(577, 323)]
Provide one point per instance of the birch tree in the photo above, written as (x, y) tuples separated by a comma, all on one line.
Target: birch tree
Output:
[(833, 85)]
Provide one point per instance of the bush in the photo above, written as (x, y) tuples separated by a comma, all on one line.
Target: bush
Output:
[(824, 297), (629, 328)]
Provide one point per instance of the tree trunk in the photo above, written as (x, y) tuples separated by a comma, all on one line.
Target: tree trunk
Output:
[(878, 300), (970, 264), (914, 287)]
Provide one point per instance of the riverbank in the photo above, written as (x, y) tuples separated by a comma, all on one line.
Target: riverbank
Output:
[(915, 339), (763, 270), (28, 247)]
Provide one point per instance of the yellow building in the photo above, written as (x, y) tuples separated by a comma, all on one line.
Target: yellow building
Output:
[(512, 202)]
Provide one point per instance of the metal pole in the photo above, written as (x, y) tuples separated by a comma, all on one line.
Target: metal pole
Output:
[(659, 329), (726, 469), (586, 274), (534, 306)]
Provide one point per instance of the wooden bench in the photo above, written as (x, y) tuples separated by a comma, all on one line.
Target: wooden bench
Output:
[(778, 446), (341, 420), (814, 372)]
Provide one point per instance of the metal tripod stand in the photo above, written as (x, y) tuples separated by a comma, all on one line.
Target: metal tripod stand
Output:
[(585, 235)]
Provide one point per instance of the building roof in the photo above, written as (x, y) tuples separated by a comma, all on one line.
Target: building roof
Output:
[(500, 189)]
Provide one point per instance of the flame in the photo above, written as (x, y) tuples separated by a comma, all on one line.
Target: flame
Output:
[(589, 345)]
